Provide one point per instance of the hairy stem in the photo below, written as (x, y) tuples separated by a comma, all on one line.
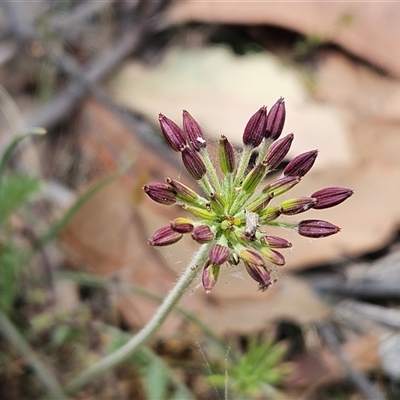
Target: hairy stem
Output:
[(211, 170), (244, 160), (124, 352)]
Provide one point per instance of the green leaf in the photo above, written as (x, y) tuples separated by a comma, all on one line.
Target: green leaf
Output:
[(11, 259), (13, 144), (158, 375), (217, 380), (259, 368), (15, 190), (156, 380), (61, 334)]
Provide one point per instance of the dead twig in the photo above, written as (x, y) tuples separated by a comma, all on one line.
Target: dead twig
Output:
[(87, 78), (379, 280), (383, 315), (359, 380)]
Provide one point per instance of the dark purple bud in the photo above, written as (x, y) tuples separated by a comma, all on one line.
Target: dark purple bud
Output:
[(164, 236), (259, 274), (278, 151), (219, 254), (269, 214), (276, 120), (161, 193), (301, 164), (297, 205), (273, 256), (255, 129), (276, 242), (182, 225), (226, 155), (193, 132), (202, 234), (281, 185), (183, 192), (210, 276), (330, 197), (315, 228), (253, 178), (193, 163), (172, 133), (252, 257)]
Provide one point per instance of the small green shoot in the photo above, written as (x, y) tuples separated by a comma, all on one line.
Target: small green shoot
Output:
[(257, 373)]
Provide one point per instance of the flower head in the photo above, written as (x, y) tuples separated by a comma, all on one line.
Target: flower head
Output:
[(233, 214)]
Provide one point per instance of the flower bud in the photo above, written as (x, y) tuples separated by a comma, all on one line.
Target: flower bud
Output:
[(301, 164), (226, 225), (193, 163), (259, 274), (276, 242), (219, 254), (269, 214), (252, 257), (260, 203), (217, 203), (198, 212), (297, 205), (281, 185), (210, 276), (182, 225), (254, 131), (226, 155), (161, 193), (193, 131), (278, 151), (183, 192), (330, 197), (172, 133), (273, 256), (253, 178), (276, 120), (202, 234), (164, 236), (315, 228)]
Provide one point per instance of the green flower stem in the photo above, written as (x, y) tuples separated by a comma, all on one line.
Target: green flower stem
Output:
[(205, 184), (211, 170), (227, 190), (124, 352), (243, 164), (264, 150), (239, 201), (87, 279), (43, 373)]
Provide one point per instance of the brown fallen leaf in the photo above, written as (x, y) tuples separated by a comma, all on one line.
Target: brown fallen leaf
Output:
[(313, 370), (368, 31)]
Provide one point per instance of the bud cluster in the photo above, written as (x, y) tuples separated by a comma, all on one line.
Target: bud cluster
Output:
[(232, 215)]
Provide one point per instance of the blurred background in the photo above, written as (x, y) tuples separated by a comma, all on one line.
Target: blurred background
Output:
[(77, 277)]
